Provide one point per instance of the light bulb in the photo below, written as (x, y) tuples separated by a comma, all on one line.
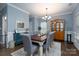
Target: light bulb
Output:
[(5, 17), (42, 17), (45, 16), (49, 17)]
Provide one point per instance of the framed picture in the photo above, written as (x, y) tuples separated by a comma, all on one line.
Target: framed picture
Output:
[(20, 24)]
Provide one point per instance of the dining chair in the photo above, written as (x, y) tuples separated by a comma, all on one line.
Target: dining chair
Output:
[(51, 34), (49, 42), (29, 48)]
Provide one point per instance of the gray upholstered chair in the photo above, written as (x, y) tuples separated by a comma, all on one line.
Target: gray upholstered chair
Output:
[(51, 34), (29, 48), (49, 42)]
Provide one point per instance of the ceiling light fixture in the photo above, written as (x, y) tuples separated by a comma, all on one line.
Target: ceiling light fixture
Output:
[(46, 17)]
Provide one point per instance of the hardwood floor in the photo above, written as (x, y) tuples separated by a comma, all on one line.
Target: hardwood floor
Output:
[(66, 50), (7, 51)]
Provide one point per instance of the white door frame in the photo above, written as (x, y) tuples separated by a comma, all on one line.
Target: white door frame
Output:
[(4, 30)]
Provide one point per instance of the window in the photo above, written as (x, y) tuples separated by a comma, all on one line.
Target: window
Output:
[(43, 27)]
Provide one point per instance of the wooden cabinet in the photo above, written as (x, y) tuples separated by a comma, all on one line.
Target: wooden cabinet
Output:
[(57, 25)]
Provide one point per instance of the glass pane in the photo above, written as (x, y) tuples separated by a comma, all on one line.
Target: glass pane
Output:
[(52, 27), (57, 25), (61, 29), (57, 29), (61, 25)]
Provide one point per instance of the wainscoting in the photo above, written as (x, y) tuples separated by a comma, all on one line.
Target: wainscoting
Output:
[(76, 40)]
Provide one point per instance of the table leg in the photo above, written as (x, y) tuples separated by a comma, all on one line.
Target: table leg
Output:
[(41, 48)]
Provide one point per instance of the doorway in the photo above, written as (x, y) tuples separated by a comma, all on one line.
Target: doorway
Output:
[(57, 25), (4, 30)]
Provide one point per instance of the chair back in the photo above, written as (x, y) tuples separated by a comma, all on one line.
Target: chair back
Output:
[(27, 43), (49, 38)]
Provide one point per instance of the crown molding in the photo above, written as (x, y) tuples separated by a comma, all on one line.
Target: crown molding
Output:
[(62, 13), (75, 7), (57, 14), (19, 9)]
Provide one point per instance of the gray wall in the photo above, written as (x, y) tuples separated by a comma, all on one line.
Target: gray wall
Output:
[(34, 22), (76, 27), (75, 14), (76, 21), (31, 24), (15, 14)]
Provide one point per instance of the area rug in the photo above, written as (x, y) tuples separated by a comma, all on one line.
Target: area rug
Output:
[(54, 51)]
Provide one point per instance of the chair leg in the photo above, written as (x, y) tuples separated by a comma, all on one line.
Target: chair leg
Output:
[(46, 52), (25, 53), (52, 45), (28, 54)]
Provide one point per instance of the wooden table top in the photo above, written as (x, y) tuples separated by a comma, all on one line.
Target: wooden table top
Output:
[(38, 38)]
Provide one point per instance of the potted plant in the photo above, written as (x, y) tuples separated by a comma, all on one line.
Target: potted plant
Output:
[(39, 29)]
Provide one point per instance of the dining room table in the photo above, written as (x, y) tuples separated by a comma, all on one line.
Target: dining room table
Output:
[(39, 39)]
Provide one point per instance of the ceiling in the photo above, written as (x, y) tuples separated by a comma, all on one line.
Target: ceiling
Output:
[(38, 9)]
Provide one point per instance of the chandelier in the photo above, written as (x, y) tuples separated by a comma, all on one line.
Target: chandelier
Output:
[(46, 17)]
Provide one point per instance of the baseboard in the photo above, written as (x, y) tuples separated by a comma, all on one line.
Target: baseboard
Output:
[(2, 45), (58, 40), (76, 46), (76, 40)]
